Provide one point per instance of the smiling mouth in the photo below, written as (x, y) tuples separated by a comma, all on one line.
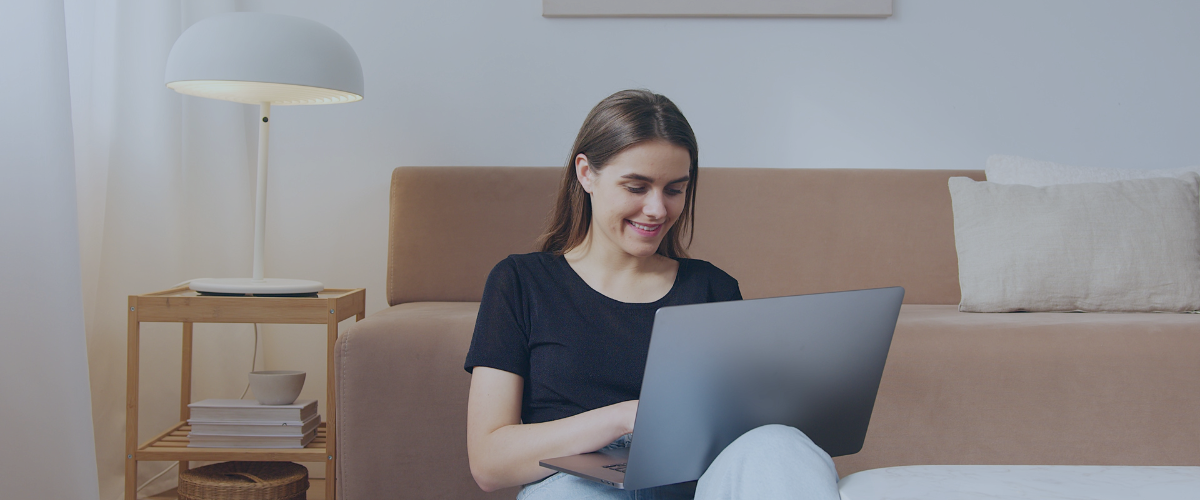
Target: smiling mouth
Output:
[(646, 228)]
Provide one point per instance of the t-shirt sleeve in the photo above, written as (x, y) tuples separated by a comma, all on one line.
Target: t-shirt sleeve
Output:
[(501, 338), (722, 286), (733, 291)]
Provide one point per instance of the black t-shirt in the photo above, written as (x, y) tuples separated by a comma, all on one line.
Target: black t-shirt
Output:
[(576, 348)]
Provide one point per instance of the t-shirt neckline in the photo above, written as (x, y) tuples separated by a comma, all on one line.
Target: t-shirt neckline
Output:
[(562, 260)]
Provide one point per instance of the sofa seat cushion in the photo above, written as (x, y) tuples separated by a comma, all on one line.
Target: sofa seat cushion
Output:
[(1042, 388), (1023, 482), (958, 388)]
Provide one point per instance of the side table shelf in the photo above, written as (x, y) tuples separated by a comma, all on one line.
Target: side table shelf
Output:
[(172, 446), (182, 305)]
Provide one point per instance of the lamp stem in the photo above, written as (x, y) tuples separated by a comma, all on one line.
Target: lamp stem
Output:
[(260, 196)]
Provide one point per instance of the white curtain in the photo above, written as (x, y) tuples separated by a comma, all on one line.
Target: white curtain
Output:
[(45, 405), (163, 185), (128, 137)]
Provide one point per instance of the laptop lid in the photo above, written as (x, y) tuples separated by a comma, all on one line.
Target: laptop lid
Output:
[(715, 371)]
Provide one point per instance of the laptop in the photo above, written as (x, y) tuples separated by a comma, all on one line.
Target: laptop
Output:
[(717, 370)]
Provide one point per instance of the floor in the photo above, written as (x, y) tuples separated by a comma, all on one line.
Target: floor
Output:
[(316, 491)]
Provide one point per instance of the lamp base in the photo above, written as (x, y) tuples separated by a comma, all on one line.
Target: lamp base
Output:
[(248, 286)]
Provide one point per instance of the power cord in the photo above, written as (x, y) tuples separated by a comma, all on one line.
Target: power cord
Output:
[(253, 357), (253, 361), (156, 476)]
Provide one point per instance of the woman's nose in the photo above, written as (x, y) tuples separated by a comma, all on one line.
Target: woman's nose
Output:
[(655, 206)]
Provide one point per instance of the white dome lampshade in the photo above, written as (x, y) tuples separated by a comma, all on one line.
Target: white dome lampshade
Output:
[(264, 59), (252, 57)]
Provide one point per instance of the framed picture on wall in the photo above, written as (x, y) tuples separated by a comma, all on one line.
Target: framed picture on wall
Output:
[(716, 8)]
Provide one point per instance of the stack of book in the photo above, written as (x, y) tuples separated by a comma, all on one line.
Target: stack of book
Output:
[(244, 423)]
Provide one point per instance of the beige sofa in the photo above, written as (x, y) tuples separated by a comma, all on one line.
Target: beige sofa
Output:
[(959, 388)]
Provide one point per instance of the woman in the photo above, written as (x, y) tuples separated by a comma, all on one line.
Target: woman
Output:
[(562, 335)]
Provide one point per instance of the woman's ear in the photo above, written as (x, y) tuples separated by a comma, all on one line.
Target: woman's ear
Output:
[(584, 173)]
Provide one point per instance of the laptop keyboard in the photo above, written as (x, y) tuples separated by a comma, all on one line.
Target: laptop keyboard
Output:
[(616, 467)]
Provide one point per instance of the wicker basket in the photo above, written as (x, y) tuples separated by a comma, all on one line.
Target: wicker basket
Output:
[(244, 481)]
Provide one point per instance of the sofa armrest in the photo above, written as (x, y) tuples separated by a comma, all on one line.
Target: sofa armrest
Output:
[(402, 396)]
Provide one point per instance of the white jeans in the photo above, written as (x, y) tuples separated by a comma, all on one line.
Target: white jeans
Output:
[(767, 463)]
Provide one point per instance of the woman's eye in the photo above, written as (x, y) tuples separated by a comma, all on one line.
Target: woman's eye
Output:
[(642, 189)]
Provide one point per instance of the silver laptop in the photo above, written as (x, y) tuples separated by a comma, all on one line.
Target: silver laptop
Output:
[(717, 370)]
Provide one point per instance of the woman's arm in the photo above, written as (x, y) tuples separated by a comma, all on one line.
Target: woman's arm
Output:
[(504, 452)]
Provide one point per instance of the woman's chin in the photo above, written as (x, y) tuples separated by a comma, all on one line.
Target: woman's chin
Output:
[(641, 251)]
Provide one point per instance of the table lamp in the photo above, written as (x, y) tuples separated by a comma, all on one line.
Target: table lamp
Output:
[(264, 59)]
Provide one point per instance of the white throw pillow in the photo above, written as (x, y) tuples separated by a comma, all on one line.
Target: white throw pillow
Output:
[(1120, 246), (1016, 170)]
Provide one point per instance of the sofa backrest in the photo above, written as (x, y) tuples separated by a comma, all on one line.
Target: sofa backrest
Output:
[(778, 231)]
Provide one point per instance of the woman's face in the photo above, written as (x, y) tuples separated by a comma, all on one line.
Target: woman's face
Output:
[(637, 196)]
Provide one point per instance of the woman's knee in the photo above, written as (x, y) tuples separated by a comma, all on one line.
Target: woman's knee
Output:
[(784, 443), (772, 461), (774, 435), (772, 432)]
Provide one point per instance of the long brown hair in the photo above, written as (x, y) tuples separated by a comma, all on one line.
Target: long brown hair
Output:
[(619, 121)]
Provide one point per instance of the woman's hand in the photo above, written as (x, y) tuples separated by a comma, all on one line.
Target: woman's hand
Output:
[(503, 452)]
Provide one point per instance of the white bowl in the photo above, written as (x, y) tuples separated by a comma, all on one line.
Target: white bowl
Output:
[(276, 387)]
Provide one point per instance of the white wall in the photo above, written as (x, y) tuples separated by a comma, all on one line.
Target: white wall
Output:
[(941, 84)]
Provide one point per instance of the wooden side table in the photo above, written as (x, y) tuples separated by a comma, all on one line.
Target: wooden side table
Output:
[(182, 305)]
